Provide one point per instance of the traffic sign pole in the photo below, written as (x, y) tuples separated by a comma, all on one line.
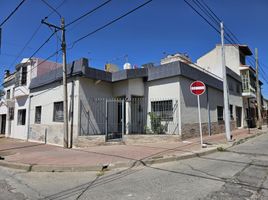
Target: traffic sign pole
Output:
[(198, 88), (200, 124)]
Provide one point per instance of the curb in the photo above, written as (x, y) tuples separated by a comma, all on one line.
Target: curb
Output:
[(130, 164)]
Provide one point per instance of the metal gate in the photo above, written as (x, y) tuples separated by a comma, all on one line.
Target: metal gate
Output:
[(115, 119)]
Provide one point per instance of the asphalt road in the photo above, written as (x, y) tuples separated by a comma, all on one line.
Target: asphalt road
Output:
[(239, 173)]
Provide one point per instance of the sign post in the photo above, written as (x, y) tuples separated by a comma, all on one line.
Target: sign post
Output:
[(198, 88)]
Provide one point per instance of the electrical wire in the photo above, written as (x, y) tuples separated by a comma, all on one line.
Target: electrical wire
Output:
[(12, 13), (109, 23), (231, 37), (87, 13), (51, 7)]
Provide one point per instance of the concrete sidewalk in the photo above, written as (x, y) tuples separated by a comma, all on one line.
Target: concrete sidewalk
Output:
[(41, 157)]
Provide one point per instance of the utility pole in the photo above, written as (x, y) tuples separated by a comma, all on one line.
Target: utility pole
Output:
[(258, 90), (66, 138), (225, 88)]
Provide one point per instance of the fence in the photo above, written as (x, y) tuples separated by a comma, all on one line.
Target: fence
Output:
[(117, 116)]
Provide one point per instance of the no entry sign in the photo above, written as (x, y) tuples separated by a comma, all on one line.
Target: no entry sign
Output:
[(198, 88)]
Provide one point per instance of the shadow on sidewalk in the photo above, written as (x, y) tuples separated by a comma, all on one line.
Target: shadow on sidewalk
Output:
[(22, 147)]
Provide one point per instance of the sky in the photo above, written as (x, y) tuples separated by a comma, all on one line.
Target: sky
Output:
[(146, 35)]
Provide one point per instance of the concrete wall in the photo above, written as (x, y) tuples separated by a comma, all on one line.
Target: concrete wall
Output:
[(165, 89), (92, 105), (45, 96), (213, 63), (210, 99)]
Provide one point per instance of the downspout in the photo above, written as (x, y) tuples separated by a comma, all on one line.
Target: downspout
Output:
[(29, 114), (209, 118)]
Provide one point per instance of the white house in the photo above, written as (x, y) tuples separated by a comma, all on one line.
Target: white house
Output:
[(129, 104), (14, 107)]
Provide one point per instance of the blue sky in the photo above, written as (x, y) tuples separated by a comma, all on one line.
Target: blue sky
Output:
[(162, 26)]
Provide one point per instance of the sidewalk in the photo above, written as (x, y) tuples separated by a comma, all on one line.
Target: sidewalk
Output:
[(41, 157)]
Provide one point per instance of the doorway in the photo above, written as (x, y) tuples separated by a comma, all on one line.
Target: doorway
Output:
[(3, 124), (238, 112)]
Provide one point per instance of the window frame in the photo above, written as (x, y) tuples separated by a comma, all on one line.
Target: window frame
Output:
[(23, 80), (220, 119), (37, 119), (57, 118), (163, 109), (21, 121), (231, 109), (8, 94)]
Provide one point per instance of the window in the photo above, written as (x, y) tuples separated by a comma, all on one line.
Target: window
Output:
[(24, 75), (11, 113), (8, 94), (163, 109), (58, 112), (38, 110), (21, 116), (231, 112), (220, 113)]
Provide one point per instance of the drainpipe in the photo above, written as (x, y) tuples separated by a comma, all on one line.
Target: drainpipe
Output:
[(29, 114), (209, 119)]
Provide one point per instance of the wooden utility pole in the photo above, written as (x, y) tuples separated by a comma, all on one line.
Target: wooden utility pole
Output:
[(259, 104), (64, 82), (225, 89), (66, 138)]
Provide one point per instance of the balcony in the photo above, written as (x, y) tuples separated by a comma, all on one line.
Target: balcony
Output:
[(21, 91)]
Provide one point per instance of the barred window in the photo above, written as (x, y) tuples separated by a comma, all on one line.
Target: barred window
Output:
[(38, 110), (220, 113), (58, 112), (21, 116), (163, 109)]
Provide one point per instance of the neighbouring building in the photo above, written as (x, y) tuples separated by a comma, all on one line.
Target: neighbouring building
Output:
[(14, 106), (132, 104), (235, 56)]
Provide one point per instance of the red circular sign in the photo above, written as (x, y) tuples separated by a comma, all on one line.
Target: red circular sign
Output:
[(198, 87)]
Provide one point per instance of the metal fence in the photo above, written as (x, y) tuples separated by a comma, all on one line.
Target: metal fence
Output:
[(116, 116)]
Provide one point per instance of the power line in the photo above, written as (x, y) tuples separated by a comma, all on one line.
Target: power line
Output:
[(51, 7), (55, 9), (26, 44), (212, 16), (87, 13), (109, 23), (12, 13)]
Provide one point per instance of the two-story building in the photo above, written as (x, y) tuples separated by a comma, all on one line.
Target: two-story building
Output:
[(235, 57), (14, 107)]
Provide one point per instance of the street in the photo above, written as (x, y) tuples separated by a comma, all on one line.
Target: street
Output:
[(238, 173)]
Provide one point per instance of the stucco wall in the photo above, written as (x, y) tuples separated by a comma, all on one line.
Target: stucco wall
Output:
[(45, 97), (92, 102), (161, 90)]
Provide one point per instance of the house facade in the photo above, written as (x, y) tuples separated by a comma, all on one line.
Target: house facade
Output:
[(129, 104), (14, 107), (235, 56)]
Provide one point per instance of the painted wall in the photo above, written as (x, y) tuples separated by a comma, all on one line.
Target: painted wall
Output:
[(213, 63), (92, 106), (161, 90), (45, 96)]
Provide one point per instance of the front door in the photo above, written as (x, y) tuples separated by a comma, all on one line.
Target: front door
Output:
[(238, 111), (3, 124), (115, 119)]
